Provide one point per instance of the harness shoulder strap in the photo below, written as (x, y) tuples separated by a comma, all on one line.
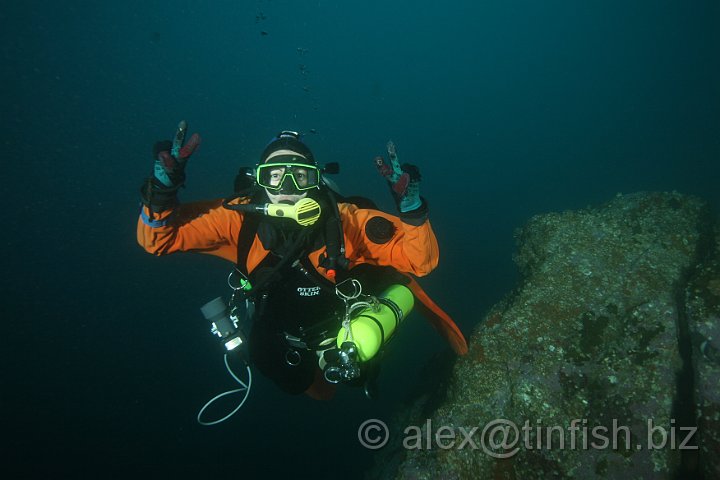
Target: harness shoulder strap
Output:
[(246, 237)]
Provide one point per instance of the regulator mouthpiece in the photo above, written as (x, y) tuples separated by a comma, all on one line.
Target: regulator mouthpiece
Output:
[(305, 212)]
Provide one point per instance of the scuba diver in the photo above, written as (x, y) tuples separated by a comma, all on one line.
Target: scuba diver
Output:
[(322, 279)]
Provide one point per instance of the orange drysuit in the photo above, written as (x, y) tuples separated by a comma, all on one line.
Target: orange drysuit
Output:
[(207, 227)]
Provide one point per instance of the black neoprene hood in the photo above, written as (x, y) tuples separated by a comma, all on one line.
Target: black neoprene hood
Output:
[(288, 143)]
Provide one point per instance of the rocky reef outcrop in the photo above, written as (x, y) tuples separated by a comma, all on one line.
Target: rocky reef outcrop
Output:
[(603, 363)]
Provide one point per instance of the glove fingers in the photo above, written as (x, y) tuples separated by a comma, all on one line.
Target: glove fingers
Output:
[(396, 166), (163, 168), (189, 148), (383, 168), (400, 187), (160, 146), (167, 160), (168, 170), (391, 149)]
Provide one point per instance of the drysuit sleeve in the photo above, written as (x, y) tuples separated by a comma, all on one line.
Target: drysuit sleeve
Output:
[(378, 238), (204, 227)]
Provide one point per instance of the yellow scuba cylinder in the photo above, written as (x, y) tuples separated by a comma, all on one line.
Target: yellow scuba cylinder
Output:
[(370, 328)]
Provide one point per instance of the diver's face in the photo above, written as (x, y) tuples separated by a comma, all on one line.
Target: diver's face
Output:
[(277, 176)]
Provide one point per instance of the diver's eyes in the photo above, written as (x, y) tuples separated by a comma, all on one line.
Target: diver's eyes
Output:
[(301, 177), (276, 175)]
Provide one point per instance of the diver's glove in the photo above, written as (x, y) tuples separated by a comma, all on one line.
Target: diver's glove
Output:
[(404, 181), (159, 192)]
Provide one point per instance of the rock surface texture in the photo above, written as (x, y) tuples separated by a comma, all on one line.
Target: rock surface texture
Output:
[(600, 364)]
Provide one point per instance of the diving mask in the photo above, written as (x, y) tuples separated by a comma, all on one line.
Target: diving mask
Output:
[(281, 177)]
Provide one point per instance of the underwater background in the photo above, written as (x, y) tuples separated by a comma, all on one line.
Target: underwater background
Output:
[(510, 109)]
